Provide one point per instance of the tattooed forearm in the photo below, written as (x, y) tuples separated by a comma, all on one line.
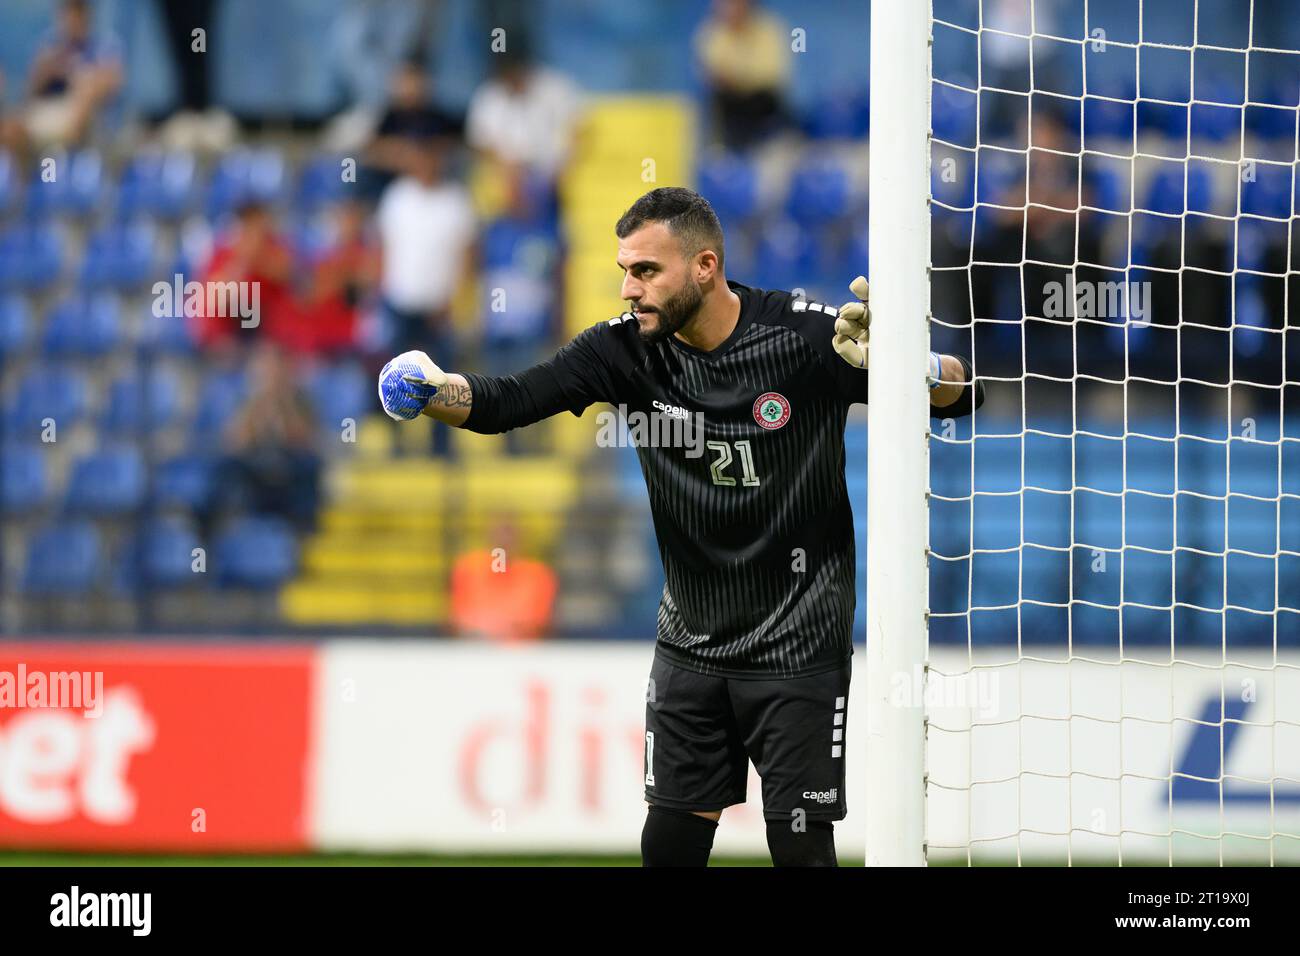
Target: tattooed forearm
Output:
[(452, 402)]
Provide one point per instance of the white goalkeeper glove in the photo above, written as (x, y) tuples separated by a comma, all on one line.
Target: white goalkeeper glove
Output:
[(853, 331), (407, 383)]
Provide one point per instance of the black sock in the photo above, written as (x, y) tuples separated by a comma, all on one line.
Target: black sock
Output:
[(813, 845), (676, 838)]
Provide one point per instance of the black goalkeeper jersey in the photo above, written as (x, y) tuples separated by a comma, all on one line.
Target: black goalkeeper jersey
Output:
[(750, 506)]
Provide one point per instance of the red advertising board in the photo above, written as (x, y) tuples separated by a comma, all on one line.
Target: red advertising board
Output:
[(155, 746)]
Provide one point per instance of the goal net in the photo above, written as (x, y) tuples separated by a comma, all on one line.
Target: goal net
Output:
[(1109, 671)]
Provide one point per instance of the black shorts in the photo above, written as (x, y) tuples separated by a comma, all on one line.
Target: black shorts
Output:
[(701, 733)]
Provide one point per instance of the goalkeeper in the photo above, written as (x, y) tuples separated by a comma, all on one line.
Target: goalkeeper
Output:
[(753, 655)]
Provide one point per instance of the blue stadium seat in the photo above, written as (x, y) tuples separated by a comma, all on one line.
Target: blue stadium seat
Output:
[(121, 256), (1270, 193), (220, 396), (841, 116), (819, 194), (243, 175), (131, 407), (786, 256), (319, 184), (156, 184), (31, 257), (107, 482), (63, 559), (340, 391), (75, 189), (184, 481), (160, 555), (1106, 119), (730, 184), (15, 325), (1166, 191), (257, 552), (953, 115), (82, 324), (24, 484), (47, 391)]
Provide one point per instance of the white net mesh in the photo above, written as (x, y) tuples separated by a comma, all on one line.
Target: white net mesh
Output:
[(1115, 534)]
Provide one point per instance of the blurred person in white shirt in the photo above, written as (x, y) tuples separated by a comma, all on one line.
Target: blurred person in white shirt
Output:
[(427, 231), (524, 117)]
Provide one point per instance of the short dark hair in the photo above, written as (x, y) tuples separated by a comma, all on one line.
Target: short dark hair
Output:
[(685, 212)]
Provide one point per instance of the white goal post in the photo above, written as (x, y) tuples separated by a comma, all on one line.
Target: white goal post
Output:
[(897, 420)]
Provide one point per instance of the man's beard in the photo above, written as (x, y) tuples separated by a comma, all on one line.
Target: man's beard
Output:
[(675, 312)]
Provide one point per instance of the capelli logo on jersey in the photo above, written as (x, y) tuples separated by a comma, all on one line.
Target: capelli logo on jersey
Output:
[(672, 411), (771, 410), (822, 796)]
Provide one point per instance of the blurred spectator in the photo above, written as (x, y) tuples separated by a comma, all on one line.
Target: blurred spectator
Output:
[(745, 54), (255, 254), (196, 124), (410, 122), (370, 38), (427, 231), (500, 593), (520, 270), (269, 463), (524, 118), (74, 74), (342, 278)]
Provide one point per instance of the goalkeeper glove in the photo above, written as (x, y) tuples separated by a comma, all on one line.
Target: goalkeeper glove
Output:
[(853, 331), (407, 383), (853, 325)]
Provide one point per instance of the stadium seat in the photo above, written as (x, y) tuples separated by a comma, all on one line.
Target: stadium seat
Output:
[(841, 116), (819, 194), (160, 555), (31, 257), (338, 391), (952, 115), (121, 256), (220, 396), (83, 325), (24, 484), (157, 184), (184, 481), (1270, 192), (257, 552), (74, 189), (786, 256), (242, 176), (107, 482), (15, 325), (131, 407), (319, 184), (1168, 190), (63, 559), (730, 184), (49, 391), (1106, 119)]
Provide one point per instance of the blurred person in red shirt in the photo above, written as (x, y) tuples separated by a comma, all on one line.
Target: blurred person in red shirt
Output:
[(342, 278), (255, 255)]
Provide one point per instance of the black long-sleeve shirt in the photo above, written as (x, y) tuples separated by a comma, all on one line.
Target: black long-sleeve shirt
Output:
[(750, 508)]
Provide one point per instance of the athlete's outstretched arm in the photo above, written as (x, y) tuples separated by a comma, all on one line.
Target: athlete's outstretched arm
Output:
[(578, 375)]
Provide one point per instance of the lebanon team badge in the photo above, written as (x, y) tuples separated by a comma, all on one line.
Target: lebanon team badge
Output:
[(771, 410)]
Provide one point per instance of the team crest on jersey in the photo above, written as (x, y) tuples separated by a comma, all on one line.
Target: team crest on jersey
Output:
[(771, 410)]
